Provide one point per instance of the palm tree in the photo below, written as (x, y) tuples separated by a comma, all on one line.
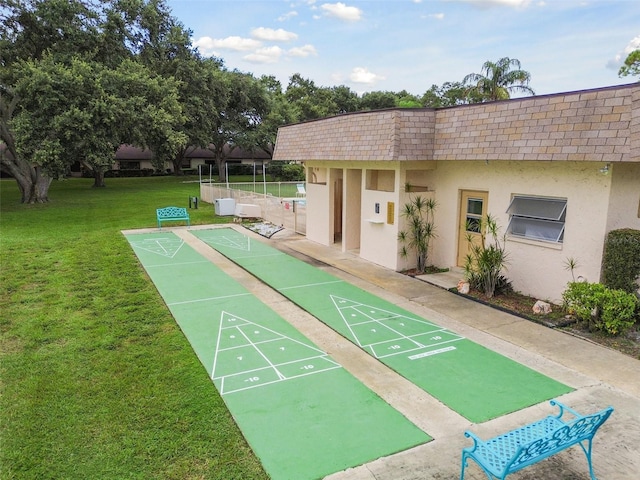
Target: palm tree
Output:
[(497, 81)]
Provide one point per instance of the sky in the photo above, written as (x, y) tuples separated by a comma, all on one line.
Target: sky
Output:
[(566, 45)]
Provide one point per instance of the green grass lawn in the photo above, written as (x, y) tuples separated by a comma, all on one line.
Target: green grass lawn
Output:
[(96, 379)]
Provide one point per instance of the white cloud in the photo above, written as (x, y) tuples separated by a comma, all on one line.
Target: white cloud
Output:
[(437, 16), (209, 46), (616, 62), (265, 55), (363, 75), (341, 11), (287, 16), (304, 51), (271, 35)]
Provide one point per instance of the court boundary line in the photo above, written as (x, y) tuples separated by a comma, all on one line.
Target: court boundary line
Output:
[(309, 285), (197, 300)]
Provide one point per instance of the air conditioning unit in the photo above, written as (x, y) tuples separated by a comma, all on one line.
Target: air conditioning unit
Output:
[(224, 206)]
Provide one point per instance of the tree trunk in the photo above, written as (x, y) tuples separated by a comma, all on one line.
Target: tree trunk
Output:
[(222, 171), (98, 178), (41, 189), (33, 185), (176, 162), (34, 192)]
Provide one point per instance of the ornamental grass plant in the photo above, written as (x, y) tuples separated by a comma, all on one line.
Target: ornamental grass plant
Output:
[(486, 258), (97, 380)]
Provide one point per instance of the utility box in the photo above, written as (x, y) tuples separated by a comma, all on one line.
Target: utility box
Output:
[(247, 210), (224, 206)]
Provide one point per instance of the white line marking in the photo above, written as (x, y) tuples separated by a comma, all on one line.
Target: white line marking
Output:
[(153, 244), (176, 264), (432, 352), (208, 299), (269, 362), (225, 241), (414, 349), (276, 381), (409, 337), (312, 284), (236, 323), (259, 256), (361, 309)]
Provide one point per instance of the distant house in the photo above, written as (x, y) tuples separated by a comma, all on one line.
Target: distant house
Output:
[(133, 158), (557, 171)]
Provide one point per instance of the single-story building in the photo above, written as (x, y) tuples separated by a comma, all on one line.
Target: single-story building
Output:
[(557, 171), (129, 157)]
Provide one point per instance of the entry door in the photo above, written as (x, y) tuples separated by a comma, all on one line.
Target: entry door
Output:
[(337, 211), (473, 207)]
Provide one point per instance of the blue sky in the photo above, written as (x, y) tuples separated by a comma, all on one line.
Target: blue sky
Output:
[(410, 45)]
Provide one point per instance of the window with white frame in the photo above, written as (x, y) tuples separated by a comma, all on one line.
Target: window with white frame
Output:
[(537, 218)]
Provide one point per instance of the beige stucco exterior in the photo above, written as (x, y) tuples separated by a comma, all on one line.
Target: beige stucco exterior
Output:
[(548, 146)]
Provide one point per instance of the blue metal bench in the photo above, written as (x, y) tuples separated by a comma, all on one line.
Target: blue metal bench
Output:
[(519, 448), (171, 214)]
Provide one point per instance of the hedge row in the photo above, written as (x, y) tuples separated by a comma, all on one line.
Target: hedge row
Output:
[(621, 261)]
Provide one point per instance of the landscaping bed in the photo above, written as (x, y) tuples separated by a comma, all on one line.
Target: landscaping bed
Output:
[(522, 306)]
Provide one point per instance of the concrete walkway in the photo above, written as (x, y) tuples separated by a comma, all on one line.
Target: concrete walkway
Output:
[(600, 376)]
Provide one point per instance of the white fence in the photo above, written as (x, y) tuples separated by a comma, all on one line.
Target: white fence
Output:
[(280, 202)]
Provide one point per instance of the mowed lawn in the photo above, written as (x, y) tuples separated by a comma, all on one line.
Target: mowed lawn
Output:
[(96, 379)]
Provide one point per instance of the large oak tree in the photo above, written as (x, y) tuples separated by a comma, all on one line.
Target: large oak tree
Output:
[(86, 49)]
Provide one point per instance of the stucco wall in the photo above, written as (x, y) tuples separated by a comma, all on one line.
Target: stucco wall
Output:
[(534, 267), (318, 227), (624, 203), (379, 242)]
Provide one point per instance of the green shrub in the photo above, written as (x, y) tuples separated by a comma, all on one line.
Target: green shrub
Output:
[(484, 263), (420, 229), (606, 309), (292, 172), (618, 311), (621, 261), (503, 284)]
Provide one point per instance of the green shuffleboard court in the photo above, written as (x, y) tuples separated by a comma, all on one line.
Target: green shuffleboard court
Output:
[(304, 415), (474, 381)]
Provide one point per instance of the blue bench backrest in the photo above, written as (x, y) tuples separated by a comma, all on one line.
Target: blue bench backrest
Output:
[(583, 428), (171, 212)]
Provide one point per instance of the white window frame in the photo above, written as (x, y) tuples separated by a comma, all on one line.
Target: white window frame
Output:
[(537, 218)]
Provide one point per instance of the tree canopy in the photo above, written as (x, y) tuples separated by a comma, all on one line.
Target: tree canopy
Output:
[(79, 78), (631, 65), (75, 85)]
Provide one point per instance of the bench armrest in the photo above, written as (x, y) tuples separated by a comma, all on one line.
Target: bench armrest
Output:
[(475, 438), (564, 408)]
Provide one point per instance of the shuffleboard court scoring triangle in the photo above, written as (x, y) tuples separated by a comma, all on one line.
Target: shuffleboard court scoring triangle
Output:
[(240, 242), (250, 355), (163, 246), (384, 333)]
